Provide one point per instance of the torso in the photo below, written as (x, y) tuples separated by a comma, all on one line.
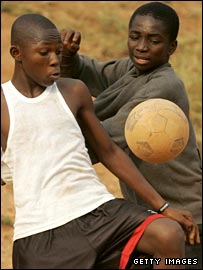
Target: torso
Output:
[(72, 98)]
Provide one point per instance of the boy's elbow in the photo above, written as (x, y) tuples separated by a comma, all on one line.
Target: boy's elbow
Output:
[(108, 152)]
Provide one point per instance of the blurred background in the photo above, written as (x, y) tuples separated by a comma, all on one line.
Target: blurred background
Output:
[(104, 29)]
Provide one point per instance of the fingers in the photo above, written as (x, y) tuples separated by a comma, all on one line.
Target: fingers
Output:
[(77, 38), (192, 229), (71, 41), (70, 36), (188, 224), (193, 235)]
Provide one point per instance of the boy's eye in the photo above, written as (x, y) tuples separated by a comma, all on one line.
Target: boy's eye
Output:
[(43, 53), (155, 41), (134, 37)]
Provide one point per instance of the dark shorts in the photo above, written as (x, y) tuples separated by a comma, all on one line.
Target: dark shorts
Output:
[(95, 240)]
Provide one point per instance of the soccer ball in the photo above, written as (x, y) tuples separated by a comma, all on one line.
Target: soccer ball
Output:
[(156, 130)]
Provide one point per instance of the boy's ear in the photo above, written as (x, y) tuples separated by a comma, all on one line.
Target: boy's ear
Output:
[(172, 47), (15, 52)]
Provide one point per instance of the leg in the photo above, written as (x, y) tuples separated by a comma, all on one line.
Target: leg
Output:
[(163, 238), (116, 230)]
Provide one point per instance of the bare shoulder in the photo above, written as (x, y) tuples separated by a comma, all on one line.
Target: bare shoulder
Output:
[(75, 93), (74, 88), (70, 85)]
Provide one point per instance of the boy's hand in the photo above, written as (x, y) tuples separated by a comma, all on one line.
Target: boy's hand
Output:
[(71, 42), (185, 219)]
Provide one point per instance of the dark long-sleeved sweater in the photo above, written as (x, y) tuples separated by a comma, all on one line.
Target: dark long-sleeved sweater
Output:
[(117, 89)]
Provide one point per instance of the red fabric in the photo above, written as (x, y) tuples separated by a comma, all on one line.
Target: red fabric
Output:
[(135, 237)]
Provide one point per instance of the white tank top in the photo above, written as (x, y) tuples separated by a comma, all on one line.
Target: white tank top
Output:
[(53, 178)]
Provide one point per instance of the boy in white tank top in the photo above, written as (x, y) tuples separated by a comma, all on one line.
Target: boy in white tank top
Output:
[(65, 218)]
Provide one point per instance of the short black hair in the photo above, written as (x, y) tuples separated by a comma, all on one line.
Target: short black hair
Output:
[(28, 26), (161, 12)]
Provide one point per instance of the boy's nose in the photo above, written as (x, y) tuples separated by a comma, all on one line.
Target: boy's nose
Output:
[(55, 59), (142, 45)]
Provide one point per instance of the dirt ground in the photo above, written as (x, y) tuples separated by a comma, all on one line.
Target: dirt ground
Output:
[(7, 210)]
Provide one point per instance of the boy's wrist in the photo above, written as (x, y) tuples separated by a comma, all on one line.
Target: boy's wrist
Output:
[(163, 208)]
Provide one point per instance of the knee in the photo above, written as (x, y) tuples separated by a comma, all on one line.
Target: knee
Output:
[(172, 231), (163, 237), (171, 234)]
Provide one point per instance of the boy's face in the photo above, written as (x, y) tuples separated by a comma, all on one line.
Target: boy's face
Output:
[(148, 43), (41, 58)]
